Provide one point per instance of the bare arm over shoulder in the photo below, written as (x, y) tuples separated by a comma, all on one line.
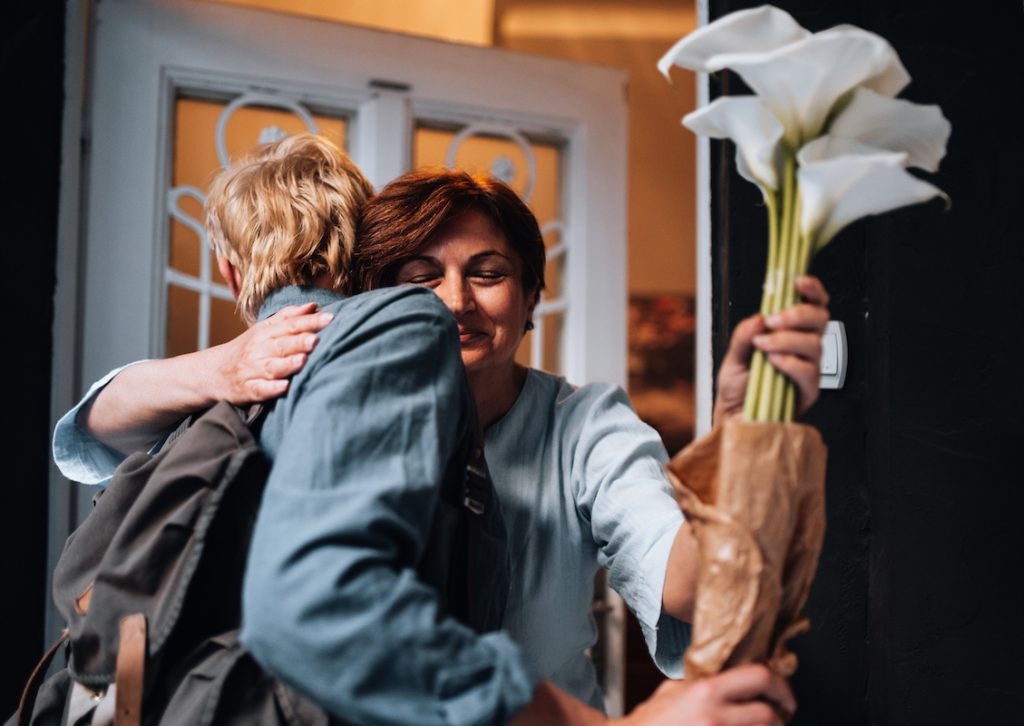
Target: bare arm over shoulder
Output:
[(138, 406)]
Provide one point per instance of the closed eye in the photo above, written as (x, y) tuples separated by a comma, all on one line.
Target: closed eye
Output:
[(489, 275), (428, 279)]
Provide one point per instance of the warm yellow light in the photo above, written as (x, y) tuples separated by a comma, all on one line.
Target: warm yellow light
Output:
[(597, 20), (460, 21)]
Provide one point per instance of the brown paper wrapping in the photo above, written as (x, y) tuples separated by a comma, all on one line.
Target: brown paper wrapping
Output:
[(754, 494)]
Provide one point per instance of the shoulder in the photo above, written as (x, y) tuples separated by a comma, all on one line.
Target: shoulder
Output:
[(407, 318), (583, 414), (406, 304), (394, 350), (581, 404)]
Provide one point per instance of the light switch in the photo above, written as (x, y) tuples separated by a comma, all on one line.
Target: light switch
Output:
[(829, 355), (833, 355)]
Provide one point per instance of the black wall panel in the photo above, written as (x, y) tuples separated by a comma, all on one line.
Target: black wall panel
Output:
[(918, 602), (32, 62)]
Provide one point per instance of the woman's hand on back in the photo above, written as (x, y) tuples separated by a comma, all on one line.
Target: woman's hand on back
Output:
[(257, 364), (792, 341)]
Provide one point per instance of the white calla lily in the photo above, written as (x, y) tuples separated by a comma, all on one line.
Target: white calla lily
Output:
[(837, 189), (802, 81), (825, 148), (756, 30), (799, 75), (824, 139), (755, 131), (895, 125)]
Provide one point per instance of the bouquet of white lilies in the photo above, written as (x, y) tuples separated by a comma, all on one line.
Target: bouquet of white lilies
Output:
[(824, 138), (827, 142)]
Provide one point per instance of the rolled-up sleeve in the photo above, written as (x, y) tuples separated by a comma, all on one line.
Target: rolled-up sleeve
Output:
[(79, 455), (332, 603), (621, 489)]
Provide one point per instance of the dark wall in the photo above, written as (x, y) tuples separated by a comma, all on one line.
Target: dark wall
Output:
[(32, 59), (918, 603)]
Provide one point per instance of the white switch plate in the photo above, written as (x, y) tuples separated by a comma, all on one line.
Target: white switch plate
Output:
[(833, 355)]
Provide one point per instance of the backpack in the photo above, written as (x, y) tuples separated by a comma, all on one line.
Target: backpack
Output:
[(150, 584)]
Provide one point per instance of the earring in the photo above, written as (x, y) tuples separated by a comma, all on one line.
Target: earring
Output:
[(529, 325)]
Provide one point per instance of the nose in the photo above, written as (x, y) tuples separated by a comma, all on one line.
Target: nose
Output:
[(457, 294)]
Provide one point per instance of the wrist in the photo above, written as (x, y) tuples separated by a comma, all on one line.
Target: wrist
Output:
[(719, 414), (215, 373), (553, 706), (199, 377)]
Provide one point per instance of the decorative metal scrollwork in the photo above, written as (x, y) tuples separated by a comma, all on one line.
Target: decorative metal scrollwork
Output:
[(204, 284), (272, 133), (552, 306), (502, 167)]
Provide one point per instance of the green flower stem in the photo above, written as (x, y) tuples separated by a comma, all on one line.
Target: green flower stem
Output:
[(784, 281), (783, 392), (759, 361), (770, 395)]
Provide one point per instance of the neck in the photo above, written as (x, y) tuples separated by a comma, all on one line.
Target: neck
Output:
[(496, 391)]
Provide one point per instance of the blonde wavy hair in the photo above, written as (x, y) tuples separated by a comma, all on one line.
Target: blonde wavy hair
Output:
[(286, 214)]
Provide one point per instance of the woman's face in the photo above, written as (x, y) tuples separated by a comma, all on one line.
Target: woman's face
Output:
[(478, 275)]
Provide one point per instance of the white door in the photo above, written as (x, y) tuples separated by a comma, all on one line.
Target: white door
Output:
[(172, 88)]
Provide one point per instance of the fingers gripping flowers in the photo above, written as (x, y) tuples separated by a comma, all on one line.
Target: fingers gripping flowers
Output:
[(823, 137)]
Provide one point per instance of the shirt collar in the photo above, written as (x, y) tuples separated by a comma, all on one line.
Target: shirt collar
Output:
[(296, 295)]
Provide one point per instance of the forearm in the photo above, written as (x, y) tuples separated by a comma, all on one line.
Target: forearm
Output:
[(680, 589), (144, 400), (552, 706)]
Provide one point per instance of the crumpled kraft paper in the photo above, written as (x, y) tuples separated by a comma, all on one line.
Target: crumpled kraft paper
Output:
[(754, 494)]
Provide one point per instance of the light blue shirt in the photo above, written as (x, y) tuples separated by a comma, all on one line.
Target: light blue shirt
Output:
[(582, 484), (332, 603)]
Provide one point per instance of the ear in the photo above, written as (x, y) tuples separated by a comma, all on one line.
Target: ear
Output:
[(230, 274), (532, 301)]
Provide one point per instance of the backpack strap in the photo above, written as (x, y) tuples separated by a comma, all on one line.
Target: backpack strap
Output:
[(28, 696), (477, 482), (253, 416), (131, 665)]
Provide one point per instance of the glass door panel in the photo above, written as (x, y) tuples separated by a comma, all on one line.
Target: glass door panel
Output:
[(200, 309)]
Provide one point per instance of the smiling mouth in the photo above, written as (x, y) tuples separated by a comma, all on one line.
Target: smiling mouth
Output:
[(467, 335)]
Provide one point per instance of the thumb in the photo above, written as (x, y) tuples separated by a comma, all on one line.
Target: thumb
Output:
[(741, 345)]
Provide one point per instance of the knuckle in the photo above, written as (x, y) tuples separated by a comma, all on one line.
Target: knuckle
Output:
[(761, 677), (703, 690)]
